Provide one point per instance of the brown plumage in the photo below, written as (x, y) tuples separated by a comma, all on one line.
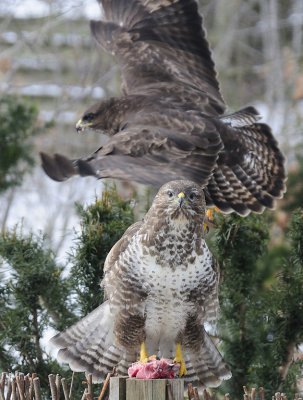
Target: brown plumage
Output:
[(161, 283), (169, 122)]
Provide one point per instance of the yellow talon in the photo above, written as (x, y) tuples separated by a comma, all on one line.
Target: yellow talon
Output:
[(210, 218), (210, 212), (180, 360), (143, 353)]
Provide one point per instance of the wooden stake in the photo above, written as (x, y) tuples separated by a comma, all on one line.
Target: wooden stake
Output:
[(2, 385), (58, 386), (14, 388), (26, 386), (31, 387), (20, 385), (71, 385), (37, 388), (196, 394), (190, 391), (89, 379), (9, 389), (52, 384), (105, 386), (65, 389), (278, 396), (84, 394), (206, 395)]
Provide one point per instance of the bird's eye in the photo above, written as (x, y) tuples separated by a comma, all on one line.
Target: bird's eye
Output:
[(88, 117), (192, 196), (170, 194)]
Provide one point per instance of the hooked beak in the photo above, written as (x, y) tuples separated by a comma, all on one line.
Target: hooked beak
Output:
[(181, 198), (81, 126)]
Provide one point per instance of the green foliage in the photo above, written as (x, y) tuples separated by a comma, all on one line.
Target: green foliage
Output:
[(17, 120), (294, 194), (261, 311), (102, 225), (240, 242), (33, 296), (284, 307)]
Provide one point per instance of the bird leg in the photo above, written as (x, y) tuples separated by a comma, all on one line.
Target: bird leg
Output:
[(180, 360), (144, 358)]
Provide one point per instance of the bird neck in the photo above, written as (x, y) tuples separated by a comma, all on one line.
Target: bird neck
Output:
[(117, 113), (174, 242)]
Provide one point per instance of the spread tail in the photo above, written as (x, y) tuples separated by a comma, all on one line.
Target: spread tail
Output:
[(89, 346), (205, 365)]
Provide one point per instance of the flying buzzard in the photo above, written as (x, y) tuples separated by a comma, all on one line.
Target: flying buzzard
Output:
[(169, 122), (161, 284)]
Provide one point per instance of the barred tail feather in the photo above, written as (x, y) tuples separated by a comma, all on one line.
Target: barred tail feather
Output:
[(206, 365), (89, 345), (250, 173)]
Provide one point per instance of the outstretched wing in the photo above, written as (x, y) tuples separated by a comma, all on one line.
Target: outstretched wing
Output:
[(235, 157), (159, 42), (153, 149), (180, 132)]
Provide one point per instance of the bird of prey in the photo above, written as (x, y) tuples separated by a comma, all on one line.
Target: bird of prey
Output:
[(161, 284), (170, 122)]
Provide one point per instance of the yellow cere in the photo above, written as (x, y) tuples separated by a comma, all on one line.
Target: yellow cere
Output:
[(181, 195)]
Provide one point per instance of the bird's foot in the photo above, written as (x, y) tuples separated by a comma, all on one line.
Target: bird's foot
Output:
[(209, 220), (144, 358), (180, 360), (143, 353)]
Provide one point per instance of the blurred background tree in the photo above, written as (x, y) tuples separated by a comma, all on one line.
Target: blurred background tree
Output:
[(17, 119), (261, 321), (33, 296)]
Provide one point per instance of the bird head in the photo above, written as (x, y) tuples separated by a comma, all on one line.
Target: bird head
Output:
[(181, 200), (95, 117)]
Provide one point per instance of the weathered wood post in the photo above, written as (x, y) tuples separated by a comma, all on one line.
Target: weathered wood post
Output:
[(124, 388)]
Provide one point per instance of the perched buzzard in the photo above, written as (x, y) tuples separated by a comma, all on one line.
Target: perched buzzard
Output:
[(161, 284), (169, 122)]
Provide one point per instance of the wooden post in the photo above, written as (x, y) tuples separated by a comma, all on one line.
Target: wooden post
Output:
[(117, 388), (122, 388), (146, 389), (174, 389)]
